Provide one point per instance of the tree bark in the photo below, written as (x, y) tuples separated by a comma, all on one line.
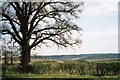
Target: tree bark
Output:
[(25, 57), (6, 58), (11, 58)]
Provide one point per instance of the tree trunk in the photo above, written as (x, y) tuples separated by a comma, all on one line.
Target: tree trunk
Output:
[(11, 58), (25, 58), (6, 58)]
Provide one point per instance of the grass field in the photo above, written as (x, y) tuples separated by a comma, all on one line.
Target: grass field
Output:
[(30, 75), (53, 64)]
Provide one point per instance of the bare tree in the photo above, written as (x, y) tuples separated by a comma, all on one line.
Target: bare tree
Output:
[(13, 51), (32, 24), (4, 52)]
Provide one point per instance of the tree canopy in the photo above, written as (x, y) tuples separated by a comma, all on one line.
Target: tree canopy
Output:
[(41, 21), (32, 24)]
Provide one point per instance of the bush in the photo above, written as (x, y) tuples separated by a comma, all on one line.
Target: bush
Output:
[(70, 68)]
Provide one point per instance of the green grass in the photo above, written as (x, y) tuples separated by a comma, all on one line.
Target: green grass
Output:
[(11, 73), (30, 75)]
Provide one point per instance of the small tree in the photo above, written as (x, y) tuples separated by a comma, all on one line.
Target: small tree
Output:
[(4, 54), (4, 51), (13, 52), (32, 24)]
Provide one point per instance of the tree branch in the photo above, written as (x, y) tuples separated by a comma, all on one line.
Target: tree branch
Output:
[(13, 36), (36, 43), (13, 26)]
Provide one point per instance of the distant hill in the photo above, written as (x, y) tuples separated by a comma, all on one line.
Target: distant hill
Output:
[(81, 56)]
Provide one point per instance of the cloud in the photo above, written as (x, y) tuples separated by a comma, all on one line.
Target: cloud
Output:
[(100, 8), (104, 33), (95, 42), (100, 41), (99, 0)]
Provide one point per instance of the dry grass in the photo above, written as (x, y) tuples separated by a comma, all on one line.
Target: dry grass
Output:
[(92, 60), (32, 61), (44, 60), (16, 61)]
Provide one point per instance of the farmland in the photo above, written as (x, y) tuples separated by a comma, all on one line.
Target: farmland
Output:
[(47, 68), (92, 56)]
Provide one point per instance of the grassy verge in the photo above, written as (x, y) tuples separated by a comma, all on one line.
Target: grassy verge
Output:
[(30, 75)]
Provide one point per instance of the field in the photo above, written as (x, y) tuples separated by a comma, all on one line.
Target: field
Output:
[(44, 68)]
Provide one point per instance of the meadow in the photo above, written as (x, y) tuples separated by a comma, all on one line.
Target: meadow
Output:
[(43, 68)]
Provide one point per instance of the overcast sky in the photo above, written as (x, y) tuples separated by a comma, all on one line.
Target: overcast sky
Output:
[(99, 21)]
